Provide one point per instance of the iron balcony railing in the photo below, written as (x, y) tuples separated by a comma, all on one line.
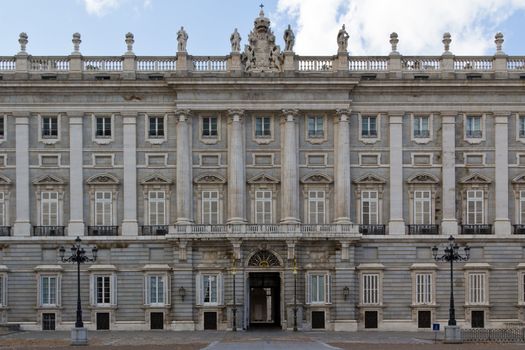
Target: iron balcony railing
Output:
[(48, 231), (372, 229), (423, 229), (102, 230), (5, 231), (518, 229), (483, 229), (154, 230)]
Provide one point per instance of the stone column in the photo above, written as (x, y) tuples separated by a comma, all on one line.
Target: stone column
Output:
[(502, 222), (76, 189), (236, 169), (184, 169), (289, 169), (342, 168), (129, 224), (22, 226), (396, 225), (449, 223)]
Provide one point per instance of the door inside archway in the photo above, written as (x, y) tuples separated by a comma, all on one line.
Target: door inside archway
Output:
[(265, 299)]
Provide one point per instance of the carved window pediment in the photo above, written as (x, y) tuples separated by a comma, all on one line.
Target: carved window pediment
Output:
[(156, 179), (423, 179), (370, 179), (519, 180), (475, 179), (263, 179), (4, 180), (47, 180), (317, 178), (103, 179), (210, 179), (264, 258)]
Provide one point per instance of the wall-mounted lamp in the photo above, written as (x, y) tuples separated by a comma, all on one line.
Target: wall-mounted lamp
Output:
[(182, 293), (346, 292)]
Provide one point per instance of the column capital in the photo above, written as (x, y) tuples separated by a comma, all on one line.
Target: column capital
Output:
[(290, 112), (182, 115), (129, 120), (343, 114), (395, 118), (235, 115), (501, 117)]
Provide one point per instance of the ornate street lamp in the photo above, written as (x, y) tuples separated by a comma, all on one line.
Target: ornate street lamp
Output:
[(451, 255), (234, 308), (295, 294), (78, 256)]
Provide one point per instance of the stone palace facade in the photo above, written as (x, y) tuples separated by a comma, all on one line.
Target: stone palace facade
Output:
[(311, 184)]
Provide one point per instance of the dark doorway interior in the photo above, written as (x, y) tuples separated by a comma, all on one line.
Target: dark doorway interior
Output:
[(102, 321), (210, 321), (48, 321), (424, 319), (156, 320), (478, 319), (370, 319), (318, 320), (265, 299)]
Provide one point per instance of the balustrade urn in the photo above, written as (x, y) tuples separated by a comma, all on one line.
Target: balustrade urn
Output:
[(129, 42), (447, 39), (76, 43), (394, 41), (498, 40), (23, 40)]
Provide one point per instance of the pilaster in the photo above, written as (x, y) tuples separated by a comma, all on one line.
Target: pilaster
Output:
[(22, 225), (236, 169), (449, 223), (184, 175), (289, 169), (129, 224), (76, 189), (502, 224), (342, 168), (396, 225)]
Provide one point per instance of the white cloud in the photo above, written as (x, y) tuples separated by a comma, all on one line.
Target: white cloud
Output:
[(419, 24), (101, 7)]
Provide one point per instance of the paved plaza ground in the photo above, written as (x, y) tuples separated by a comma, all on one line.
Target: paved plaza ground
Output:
[(252, 340)]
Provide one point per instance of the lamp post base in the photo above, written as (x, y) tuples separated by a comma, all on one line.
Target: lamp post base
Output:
[(79, 336), (452, 335)]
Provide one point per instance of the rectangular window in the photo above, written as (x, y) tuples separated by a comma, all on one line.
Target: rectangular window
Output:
[(423, 288), (263, 207), (476, 288), (369, 213), (49, 208), (422, 208), (103, 290), (103, 209), (210, 207), (3, 288), (319, 285), (157, 207), (3, 214), (315, 127), (521, 123), (49, 127), (262, 127), (48, 290), (369, 127), (2, 127), (316, 207), (475, 207), (473, 127), (156, 127), (522, 208), (209, 126), (209, 289), (103, 127), (421, 127), (370, 288), (156, 292)]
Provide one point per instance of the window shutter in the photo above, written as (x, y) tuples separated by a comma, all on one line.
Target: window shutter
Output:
[(328, 289), (167, 288), (308, 282), (58, 291), (92, 292), (198, 289), (146, 290), (219, 289), (113, 289)]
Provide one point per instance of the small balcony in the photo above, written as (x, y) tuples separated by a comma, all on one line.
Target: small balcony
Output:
[(518, 229), (102, 230), (483, 229), (372, 229), (154, 230), (423, 229), (5, 231), (48, 231)]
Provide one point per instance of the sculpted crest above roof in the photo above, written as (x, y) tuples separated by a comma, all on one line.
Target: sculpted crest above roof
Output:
[(261, 54)]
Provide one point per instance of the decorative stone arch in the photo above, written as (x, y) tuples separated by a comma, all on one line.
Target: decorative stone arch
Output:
[(474, 181), (103, 179), (317, 182), (424, 182), (209, 182), (263, 182), (369, 182), (49, 183), (264, 258), (103, 182), (518, 187), (156, 182)]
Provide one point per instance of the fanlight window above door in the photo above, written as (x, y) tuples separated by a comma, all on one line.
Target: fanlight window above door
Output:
[(264, 258)]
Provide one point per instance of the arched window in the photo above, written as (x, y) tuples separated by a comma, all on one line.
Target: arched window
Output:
[(264, 258)]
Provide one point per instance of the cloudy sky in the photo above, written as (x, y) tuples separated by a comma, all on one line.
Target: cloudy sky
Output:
[(209, 23)]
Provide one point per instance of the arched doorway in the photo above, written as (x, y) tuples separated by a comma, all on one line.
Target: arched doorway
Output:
[(264, 290)]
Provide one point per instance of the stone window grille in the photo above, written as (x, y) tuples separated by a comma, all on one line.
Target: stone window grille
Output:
[(477, 287), (370, 288), (424, 288)]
